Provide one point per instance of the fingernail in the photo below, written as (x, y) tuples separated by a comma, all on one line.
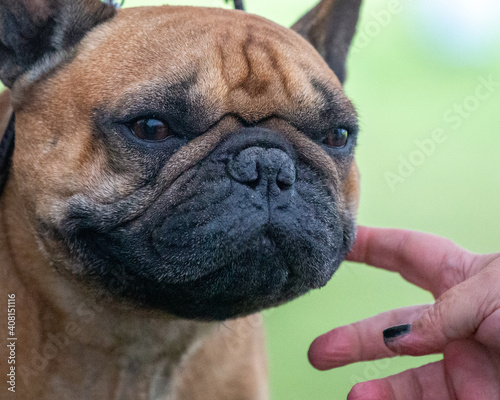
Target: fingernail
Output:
[(396, 332)]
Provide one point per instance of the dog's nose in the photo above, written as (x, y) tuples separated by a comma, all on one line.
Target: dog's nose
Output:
[(269, 168)]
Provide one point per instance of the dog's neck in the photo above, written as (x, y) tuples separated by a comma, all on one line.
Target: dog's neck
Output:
[(69, 344)]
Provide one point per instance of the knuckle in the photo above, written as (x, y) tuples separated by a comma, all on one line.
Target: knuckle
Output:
[(453, 268), (432, 318), (437, 322), (490, 291)]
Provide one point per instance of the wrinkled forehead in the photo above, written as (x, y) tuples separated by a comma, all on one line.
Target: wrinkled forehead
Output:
[(174, 37), (213, 60)]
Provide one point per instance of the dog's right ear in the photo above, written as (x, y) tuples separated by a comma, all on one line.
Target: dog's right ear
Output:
[(330, 27), (31, 30)]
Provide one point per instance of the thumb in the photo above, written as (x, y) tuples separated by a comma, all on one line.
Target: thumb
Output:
[(456, 315)]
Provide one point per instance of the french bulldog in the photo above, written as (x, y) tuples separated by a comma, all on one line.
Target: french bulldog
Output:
[(167, 173)]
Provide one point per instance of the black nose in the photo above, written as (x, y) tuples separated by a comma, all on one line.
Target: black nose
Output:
[(268, 168)]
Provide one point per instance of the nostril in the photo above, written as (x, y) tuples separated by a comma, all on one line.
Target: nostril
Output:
[(253, 184), (283, 186), (286, 176)]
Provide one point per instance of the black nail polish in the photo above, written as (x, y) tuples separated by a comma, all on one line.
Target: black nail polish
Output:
[(396, 332)]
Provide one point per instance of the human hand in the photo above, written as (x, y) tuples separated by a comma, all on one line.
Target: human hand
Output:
[(463, 324)]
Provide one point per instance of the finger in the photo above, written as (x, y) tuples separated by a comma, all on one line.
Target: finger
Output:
[(361, 341), (456, 315), (419, 257), (424, 383)]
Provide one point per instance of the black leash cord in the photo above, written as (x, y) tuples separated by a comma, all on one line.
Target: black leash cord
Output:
[(6, 151), (238, 4)]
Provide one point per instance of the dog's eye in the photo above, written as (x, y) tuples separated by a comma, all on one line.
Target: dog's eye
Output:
[(151, 130), (337, 138)]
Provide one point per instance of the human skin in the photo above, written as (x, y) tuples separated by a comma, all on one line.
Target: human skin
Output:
[(463, 324)]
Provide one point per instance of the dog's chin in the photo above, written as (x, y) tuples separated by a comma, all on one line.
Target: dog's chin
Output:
[(268, 273), (220, 275)]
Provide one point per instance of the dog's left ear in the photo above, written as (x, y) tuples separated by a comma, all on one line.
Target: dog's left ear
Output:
[(31, 30), (330, 27)]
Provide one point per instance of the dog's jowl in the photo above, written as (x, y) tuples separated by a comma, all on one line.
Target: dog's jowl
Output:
[(165, 169)]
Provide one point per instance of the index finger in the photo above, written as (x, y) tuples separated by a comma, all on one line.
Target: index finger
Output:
[(422, 259)]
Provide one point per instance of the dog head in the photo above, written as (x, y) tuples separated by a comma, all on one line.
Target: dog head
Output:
[(203, 156)]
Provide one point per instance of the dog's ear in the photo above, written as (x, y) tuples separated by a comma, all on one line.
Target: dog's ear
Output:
[(31, 30), (330, 27)]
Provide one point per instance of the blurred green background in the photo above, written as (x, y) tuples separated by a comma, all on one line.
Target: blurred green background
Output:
[(414, 69)]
